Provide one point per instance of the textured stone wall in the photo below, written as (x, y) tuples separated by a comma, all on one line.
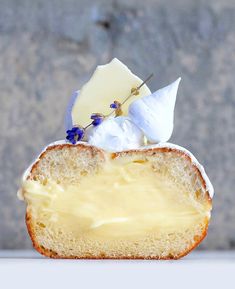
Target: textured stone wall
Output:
[(49, 48)]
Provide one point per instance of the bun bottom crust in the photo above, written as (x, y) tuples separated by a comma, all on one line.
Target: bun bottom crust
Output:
[(51, 254)]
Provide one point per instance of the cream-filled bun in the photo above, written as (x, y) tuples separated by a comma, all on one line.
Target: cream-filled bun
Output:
[(147, 203)]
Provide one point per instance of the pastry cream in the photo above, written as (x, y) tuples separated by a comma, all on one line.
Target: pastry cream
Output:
[(122, 200)]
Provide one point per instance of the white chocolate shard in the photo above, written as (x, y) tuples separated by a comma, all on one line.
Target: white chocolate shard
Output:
[(109, 82)]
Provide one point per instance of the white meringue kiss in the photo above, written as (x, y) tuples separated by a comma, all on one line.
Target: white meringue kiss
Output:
[(116, 134), (154, 114)]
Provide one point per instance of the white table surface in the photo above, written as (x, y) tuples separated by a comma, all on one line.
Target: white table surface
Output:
[(27, 269)]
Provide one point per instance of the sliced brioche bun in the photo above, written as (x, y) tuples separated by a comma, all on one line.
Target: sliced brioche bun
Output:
[(64, 163)]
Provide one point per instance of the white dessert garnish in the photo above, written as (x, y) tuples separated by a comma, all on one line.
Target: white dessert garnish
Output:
[(109, 82), (154, 113), (116, 134), (68, 115)]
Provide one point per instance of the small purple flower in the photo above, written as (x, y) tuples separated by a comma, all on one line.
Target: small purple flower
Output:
[(97, 121), (75, 134), (114, 105), (117, 106), (96, 115), (97, 118)]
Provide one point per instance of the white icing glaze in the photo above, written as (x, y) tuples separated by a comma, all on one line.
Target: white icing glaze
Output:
[(209, 186), (116, 134), (154, 113)]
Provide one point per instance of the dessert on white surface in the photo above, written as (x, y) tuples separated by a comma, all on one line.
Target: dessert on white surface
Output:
[(103, 193)]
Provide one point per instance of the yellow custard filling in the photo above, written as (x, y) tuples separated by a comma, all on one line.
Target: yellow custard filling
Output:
[(121, 200)]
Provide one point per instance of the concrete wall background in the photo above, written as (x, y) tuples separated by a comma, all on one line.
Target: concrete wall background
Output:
[(49, 48)]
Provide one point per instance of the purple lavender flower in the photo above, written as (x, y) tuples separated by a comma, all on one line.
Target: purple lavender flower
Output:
[(114, 105), (75, 134), (97, 118)]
